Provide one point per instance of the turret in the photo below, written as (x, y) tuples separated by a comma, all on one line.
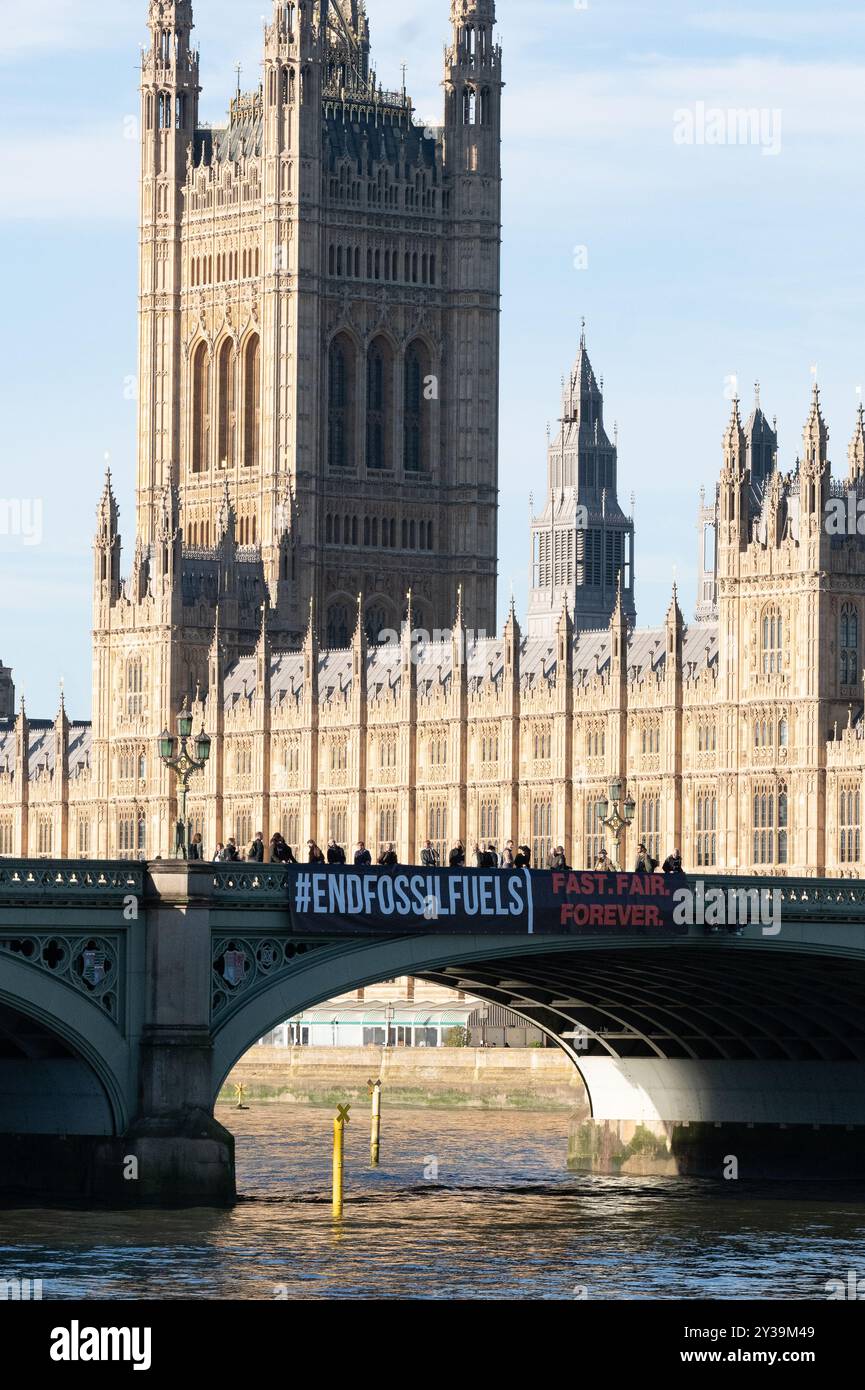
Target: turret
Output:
[(169, 117), (856, 452), (473, 88), (733, 492), (814, 469), (106, 547)]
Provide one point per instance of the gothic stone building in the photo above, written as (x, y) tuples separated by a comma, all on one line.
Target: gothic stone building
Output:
[(318, 434)]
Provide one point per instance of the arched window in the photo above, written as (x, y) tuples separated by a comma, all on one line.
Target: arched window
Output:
[(416, 411), (338, 633), (377, 622), (252, 402), (227, 363), (340, 403), (773, 641), (134, 687), (200, 409), (848, 645), (379, 405)]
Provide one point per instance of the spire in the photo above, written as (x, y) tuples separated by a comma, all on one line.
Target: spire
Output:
[(761, 440), (816, 436), (856, 452)]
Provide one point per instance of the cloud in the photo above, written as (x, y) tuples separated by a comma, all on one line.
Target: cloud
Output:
[(94, 176), (774, 27)]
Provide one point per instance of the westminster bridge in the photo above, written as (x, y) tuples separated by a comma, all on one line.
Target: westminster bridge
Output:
[(708, 1018)]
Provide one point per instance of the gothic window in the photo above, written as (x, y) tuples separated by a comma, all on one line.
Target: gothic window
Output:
[(849, 824), (339, 755), (848, 645), (485, 106), (650, 823), (200, 409), (542, 831), (338, 825), (437, 829), (134, 687), (416, 410), (489, 819), (290, 829), (83, 838), (45, 836), (376, 622), (387, 752), (340, 404), (387, 824), (594, 832), (770, 824), (783, 733), (6, 837), (252, 402), (469, 105), (772, 641), (338, 633), (226, 374), (243, 830), (379, 399), (706, 825)]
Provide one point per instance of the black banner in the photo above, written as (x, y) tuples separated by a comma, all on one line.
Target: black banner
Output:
[(370, 900)]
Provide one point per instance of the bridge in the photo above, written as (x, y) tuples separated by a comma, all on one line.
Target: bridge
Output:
[(708, 1019)]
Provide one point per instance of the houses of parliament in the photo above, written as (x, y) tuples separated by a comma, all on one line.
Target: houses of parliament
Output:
[(314, 560)]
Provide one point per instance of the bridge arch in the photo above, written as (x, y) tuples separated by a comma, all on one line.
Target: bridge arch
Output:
[(64, 1065), (330, 971), (720, 1030)]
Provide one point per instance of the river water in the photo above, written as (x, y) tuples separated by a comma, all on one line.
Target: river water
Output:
[(466, 1204)]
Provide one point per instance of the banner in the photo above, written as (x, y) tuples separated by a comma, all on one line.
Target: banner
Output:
[(372, 900)]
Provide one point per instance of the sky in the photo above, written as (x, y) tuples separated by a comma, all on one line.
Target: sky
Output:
[(699, 250)]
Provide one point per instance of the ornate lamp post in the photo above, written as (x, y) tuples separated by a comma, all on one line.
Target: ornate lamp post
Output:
[(183, 764), (617, 821)]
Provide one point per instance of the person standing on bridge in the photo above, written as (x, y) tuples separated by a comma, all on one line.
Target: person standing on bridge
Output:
[(457, 856), (557, 858), (507, 856), (523, 858), (388, 857), (603, 864), (673, 863), (429, 856), (314, 854), (645, 863), (256, 849), (362, 856), (335, 853)]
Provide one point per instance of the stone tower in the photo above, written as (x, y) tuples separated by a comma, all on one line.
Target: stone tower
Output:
[(320, 320), (582, 542)]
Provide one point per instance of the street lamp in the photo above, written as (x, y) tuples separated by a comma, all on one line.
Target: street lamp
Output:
[(617, 821), (388, 1020), (183, 764)]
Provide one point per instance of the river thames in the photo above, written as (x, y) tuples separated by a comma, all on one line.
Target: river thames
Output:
[(467, 1204)]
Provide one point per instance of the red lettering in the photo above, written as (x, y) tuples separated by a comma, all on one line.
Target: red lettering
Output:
[(588, 884), (558, 883), (581, 914), (567, 912), (596, 915), (653, 916)]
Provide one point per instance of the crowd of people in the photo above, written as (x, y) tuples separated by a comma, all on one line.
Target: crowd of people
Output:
[(481, 856)]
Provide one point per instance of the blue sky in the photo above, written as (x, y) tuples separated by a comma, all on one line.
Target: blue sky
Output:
[(702, 260)]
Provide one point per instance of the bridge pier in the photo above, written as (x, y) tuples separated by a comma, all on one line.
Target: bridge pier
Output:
[(180, 1154), (754, 1120)]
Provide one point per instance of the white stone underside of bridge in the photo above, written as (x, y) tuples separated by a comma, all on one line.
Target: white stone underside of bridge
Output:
[(649, 1091)]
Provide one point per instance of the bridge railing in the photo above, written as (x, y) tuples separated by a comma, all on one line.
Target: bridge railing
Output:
[(267, 885)]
